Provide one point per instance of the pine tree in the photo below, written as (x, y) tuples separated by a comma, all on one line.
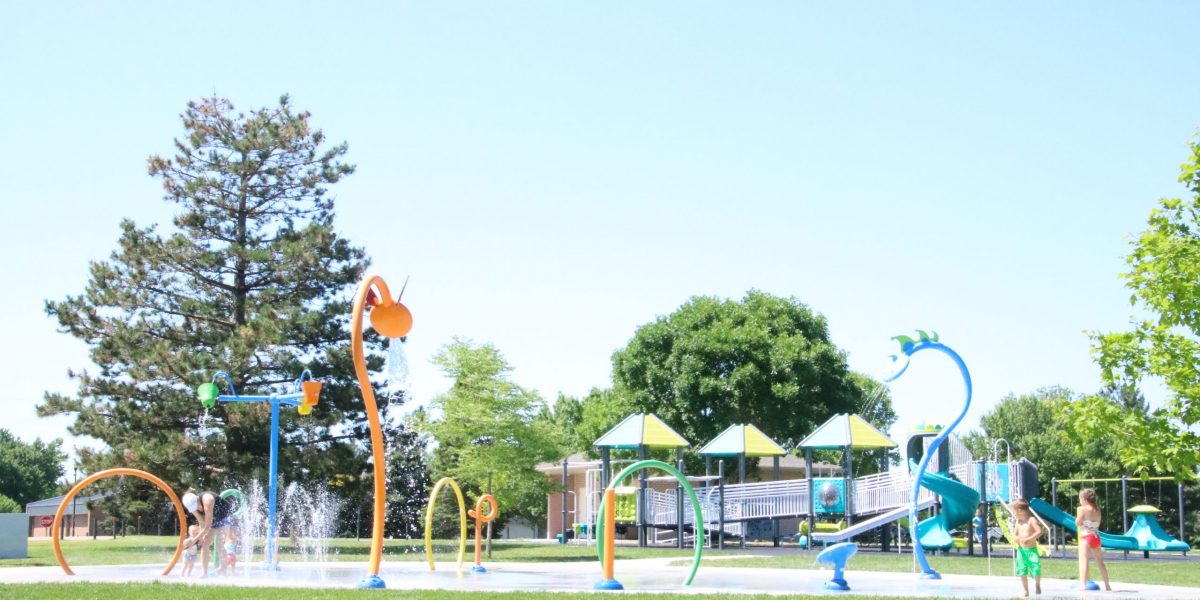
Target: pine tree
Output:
[(253, 280)]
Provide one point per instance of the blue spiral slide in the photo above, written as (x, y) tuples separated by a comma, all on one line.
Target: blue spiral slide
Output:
[(958, 506)]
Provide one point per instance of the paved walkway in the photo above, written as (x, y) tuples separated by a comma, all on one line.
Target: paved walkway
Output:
[(648, 575)]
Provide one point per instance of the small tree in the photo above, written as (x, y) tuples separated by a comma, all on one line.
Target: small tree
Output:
[(486, 426), (8, 505), (29, 472)]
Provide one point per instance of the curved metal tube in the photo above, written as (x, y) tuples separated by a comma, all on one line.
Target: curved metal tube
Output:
[(62, 507), (687, 487), (462, 520), (996, 450), (372, 410), (909, 349)]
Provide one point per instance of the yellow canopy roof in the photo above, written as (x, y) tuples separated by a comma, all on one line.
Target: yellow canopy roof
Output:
[(641, 430), (842, 431), (742, 439)]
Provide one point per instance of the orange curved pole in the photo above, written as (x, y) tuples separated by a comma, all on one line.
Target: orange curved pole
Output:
[(364, 384), (481, 518), (62, 507)]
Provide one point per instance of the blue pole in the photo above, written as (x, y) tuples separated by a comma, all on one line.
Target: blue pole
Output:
[(273, 484), (911, 348)]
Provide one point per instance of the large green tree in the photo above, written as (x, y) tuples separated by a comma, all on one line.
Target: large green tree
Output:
[(1163, 342), (580, 422), (251, 279), (29, 471), (486, 426), (1031, 425), (763, 360)]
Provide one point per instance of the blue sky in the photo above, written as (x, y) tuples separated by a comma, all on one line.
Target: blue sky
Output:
[(552, 175)]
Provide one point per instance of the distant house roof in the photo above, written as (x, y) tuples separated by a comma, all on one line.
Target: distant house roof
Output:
[(48, 506), (639, 430)]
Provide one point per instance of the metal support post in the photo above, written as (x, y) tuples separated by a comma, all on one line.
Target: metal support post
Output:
[(565, 484), (721, 502), (273, 487), (679, 501)]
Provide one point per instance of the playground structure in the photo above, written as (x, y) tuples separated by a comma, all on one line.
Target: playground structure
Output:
[(859, 504), (303, 397), (952, 483)]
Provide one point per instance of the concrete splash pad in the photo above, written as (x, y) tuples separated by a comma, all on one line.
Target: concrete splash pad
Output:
[(648, 575)]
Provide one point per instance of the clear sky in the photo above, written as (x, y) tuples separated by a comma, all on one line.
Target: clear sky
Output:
[(554, 174)]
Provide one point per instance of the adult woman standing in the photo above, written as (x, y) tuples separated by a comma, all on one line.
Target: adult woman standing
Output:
[(214, 515)]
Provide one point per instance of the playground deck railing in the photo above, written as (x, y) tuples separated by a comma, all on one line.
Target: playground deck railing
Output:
[(883, 491), (870, 494)]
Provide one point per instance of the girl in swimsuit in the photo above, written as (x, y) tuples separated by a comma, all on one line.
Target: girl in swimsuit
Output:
[(1087, 521)]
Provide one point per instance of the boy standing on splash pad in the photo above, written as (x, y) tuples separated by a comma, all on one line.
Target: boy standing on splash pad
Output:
[(1027, 531)]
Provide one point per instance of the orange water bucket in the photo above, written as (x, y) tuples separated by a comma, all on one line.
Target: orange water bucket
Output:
[(312, 391)]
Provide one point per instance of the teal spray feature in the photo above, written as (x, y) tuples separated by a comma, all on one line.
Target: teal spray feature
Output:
[(909, 347)]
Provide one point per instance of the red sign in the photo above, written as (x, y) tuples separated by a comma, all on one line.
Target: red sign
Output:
[(47, 521)]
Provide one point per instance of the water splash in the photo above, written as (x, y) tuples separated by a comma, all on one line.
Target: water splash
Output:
[(397, 367), (309, 519)]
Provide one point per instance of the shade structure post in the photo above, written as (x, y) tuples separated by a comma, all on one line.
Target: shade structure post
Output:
[(775, 521), (885, 533), (679, 500), (848, 486), (641, 499), (742, 481), (605, 467), (812, 501), (565, 480), (721, 502)]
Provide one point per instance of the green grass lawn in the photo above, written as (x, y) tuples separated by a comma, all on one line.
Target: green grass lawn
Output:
[(157, 591), (155, 549), (1162, 571)]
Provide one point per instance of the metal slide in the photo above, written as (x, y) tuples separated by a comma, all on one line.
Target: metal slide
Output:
[(864, 526)]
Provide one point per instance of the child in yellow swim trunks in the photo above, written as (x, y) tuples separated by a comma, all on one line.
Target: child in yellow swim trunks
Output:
[(1027, 531)]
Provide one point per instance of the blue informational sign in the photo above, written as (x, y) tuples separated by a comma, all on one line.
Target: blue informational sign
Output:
[(998, 482), (830, 497)]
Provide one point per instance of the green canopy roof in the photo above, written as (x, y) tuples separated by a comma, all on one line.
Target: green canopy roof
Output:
[(641, 430), (846, 431), (742, 439)]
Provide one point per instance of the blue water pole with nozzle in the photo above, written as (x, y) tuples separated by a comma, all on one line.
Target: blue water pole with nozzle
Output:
[(291, 400), (273, 486)]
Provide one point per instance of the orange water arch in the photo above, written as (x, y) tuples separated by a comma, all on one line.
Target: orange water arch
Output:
[(94, 477)]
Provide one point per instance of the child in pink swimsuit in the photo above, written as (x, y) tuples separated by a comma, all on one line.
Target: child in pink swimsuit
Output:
[(1087, 520)]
